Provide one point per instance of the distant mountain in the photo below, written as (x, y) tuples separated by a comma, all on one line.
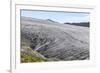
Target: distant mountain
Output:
[(35, 20), (85, 24)]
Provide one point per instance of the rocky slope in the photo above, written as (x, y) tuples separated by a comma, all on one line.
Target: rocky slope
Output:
[(54, 41)]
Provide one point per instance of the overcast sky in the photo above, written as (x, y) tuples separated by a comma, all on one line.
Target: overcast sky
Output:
[(61, 17)]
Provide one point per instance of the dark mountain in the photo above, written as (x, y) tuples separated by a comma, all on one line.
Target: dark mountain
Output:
[(85, 24)]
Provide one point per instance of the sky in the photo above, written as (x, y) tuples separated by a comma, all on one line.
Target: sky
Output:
[(61, 17)]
